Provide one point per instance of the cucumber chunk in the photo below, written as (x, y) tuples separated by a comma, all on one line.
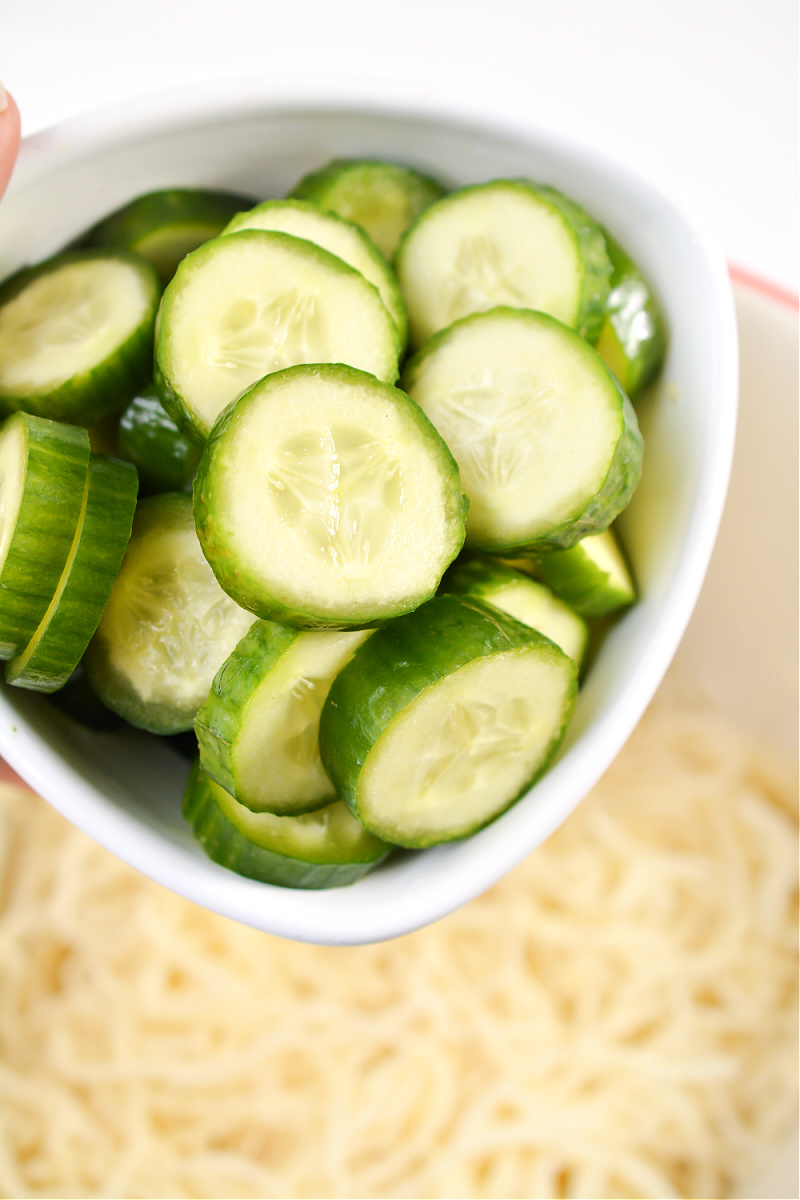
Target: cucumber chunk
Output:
[(504, 243), (382, 197), (633, 338), (547, 443), (167, 627), (76, 334), (254, 302), (444, 718), (150, 439), (102, 534), (165, 225), (43, 470), (343, 238), (593, 577), (323, 849), (258, 730), (522, 598), (325, 498)]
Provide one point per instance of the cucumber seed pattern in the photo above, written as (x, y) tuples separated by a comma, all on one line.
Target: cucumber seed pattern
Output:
[(340, 490), (483, 278), (301, 720), (257, 338)]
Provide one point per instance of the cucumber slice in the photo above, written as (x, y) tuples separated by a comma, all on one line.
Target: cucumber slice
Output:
[(250, 303), (164, 226), (76, 334), (102, 533), (43, 469), (522, 598), (382, 197), (443, 719), (345, 239), (326, 498), (507, 242), (258, 730), (323, 849), (633, 338), (593, 577), (167, 627), (150, 439), (547, 443)]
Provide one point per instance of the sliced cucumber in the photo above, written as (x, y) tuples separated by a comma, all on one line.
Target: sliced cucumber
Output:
[(345, 239), (547, 443), (323, 849), (251, 303), (76, 334), (633, 338), (326, 498), (101, 536), (150, 439), (382, 197), (43, 470), (521, 597), (510, 243), (593, 577), (163, 226), (167, 627), (443, 718), (258, 730)]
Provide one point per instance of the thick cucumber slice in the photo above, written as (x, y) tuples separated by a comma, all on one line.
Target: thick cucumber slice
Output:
[(547, 443), (522, 598), (326, 498), (163, 226), (345, 239), (633, 338), (508, 242), (443, 718), (167, 627), (250, 303), (383, 198), (258, 730), (323, 849), (150, 439), (593, 577), (76, 334), (102, 534), (43, 470)]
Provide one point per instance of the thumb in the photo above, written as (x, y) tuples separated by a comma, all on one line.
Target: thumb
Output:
[(9, 136)]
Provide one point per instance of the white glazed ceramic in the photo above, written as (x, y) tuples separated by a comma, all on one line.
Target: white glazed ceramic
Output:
[(260, 137)]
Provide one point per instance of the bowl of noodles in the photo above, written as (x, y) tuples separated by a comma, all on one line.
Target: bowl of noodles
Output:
[(259, 137)]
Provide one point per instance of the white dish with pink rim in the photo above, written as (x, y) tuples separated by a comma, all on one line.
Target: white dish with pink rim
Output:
[(260, 137)]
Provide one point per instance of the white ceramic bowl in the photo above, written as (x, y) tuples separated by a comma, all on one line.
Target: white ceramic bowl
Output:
[(260, 137)]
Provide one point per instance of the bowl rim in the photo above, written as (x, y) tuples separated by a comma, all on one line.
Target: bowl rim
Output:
[(303, 917)]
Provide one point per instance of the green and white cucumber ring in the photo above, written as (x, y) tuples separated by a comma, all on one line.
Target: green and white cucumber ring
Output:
[(444, 718), (323, 849), (43, 470), (258, 730), (74, 612), (547, 443), (250, 303), (508, 242), (76, 334), (325, 498), (593, 577)]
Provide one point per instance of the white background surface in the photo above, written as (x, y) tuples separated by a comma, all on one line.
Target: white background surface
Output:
[(701, 92)]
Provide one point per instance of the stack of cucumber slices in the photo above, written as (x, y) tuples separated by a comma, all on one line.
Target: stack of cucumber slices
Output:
[(327, 483)]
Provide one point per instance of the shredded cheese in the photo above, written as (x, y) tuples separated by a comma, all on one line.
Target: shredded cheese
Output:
[(614, 1019)]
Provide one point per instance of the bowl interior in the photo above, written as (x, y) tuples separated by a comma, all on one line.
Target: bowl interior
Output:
[(124, 789)]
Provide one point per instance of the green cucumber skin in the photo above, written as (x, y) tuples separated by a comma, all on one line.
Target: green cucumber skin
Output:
[(78, 700), (228, 847), (582, 584), (86, 398), (111, 502), (163, 456), (55, 479), (241, 585), (634, 333), (219, 719), (395, 665)]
